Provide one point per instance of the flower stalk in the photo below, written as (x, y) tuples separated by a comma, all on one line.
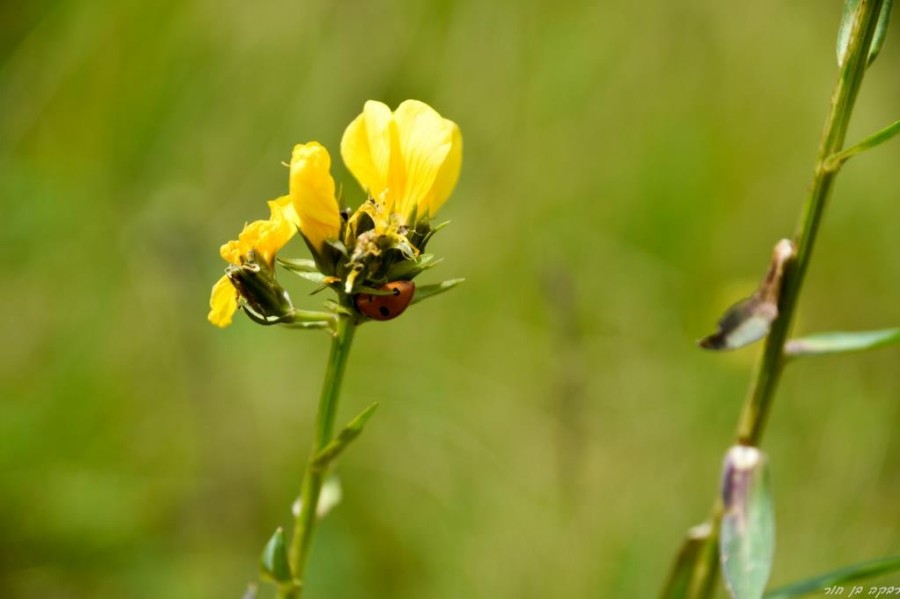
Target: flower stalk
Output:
[(407, 162), (305, 523), (829, 158)]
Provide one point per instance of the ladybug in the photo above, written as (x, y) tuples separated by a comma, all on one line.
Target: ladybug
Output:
[(386, 307)]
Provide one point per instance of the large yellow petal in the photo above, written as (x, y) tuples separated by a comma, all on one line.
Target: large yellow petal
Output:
[(424, 140), (447, 176), (222, 303), (366, 147), (407, 160), (312, 193)]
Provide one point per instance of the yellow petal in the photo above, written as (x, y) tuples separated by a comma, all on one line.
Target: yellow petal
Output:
[(366, 147), (279, 229), (447, 177), (424, 140), (312, 193), (407, 160), (222, 303), (264, 236)]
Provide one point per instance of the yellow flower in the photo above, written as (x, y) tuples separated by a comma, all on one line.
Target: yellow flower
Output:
[(265, 238), (408, 160)]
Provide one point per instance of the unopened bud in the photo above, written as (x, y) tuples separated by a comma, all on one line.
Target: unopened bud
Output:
[(260, 292), (747, 541)]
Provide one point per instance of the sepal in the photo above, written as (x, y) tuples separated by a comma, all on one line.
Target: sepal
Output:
[(423, 231), (423, 292), (298, 264), (409, 269), (259, 292), (273, 563)]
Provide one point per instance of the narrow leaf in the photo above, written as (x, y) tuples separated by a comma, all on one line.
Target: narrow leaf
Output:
[(848, 21), (861, 571), (274, 562), (335, 308), (314, 276), (833, 343), (298, 264), (408, 269), (696, 556), (337, 445), (876, 139), (423, 292), (884, 18), (748, 524)]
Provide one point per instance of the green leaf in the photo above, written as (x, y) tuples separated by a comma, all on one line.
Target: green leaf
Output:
[(407, 269), (298, 264), (335, 308), (697, 554), (884, 18), (423, 292), (315, 276), (834, 162), (274, 561), (837, 342), (747, 537), (860, 571), (337, 445), (848, 20)]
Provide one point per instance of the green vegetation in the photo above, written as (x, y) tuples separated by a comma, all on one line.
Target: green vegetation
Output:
[(547, 430)]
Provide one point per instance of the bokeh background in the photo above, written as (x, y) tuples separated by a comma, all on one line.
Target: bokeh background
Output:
[(547, 430)]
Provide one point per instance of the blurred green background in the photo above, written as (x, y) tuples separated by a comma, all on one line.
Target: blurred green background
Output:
[(547, 430)]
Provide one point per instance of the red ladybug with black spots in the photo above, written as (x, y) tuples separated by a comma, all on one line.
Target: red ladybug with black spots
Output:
[(386, 307)]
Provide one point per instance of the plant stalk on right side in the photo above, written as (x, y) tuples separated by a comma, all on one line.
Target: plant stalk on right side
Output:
[(758, 403)]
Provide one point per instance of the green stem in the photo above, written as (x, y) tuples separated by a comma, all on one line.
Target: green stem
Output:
[(304, 526), (753, 419), (759, 400)]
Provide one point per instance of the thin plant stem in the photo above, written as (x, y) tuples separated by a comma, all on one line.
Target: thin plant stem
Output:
[(753, 419), (762, 391), (304, 526)]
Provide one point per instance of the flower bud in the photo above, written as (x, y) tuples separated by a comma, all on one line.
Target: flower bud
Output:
[(260, 292)]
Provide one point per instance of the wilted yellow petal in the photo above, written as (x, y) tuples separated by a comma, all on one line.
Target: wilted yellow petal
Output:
[(281, 226), (366, 147), (312, 193), (222, 303), (264, 236)]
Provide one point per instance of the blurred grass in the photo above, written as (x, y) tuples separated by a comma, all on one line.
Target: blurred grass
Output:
[(549, 429)]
